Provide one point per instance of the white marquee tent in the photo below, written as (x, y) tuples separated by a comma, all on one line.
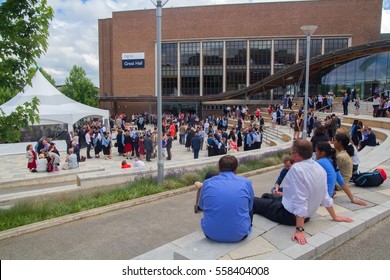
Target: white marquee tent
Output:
[(54, 107)]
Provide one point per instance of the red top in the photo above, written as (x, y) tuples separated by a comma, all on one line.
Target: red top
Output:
[(127, 165)]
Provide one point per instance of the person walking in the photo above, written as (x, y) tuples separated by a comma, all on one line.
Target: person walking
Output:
[(196, 143)]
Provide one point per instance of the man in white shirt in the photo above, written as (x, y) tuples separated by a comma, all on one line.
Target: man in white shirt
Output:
[(305, 189)]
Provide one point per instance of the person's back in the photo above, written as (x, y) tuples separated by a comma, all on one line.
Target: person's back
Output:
[(227, 202), (41, 164), (72, 161), (305, 175)]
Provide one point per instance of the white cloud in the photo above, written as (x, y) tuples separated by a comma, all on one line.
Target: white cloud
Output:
[(74, 31)]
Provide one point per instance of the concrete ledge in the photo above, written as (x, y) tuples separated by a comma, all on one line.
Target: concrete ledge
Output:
[(123, 177), (383, 123), (65, 176), (205, 249)]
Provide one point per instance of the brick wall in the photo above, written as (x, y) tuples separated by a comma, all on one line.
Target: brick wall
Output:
[(135, 31)]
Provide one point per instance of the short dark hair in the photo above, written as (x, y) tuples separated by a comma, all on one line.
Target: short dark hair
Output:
[(303, 148), (228, 163)]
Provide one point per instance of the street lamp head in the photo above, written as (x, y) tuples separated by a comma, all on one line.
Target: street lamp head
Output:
[(308, 30)]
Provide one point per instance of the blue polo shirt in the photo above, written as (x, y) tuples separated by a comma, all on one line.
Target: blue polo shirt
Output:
[(226, 201)]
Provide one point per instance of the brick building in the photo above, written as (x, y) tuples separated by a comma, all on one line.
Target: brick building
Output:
[(208, 50)]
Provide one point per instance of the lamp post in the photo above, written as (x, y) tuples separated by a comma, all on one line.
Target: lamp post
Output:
[(308, 30), (160, 162)]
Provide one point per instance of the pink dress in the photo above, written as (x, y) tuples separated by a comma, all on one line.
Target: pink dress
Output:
[(32, 162)]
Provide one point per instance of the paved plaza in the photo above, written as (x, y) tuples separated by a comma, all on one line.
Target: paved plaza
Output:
[(164, 226)]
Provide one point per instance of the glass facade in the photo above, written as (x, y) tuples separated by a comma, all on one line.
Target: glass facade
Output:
[(213, 66), (315, 48), (235, 65), (365, 74), (331, 45), (169, 69), (190, 68), (284, 54), (260, 60)]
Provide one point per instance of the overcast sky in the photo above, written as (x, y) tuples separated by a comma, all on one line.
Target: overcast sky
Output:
[(74, 31)]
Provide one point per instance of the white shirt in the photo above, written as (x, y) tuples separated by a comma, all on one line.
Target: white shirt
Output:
[(88, 138), (305, 189), (139, 163), (376, 101), (355, 157), (42, 165)]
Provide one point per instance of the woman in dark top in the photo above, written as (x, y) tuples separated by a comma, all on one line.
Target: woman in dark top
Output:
[(320, 135)]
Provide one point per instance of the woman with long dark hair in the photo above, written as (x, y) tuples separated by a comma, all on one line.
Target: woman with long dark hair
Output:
[(344, 152), (326, 157)]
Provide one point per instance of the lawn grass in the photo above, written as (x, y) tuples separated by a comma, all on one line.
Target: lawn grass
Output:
[(24, 213)]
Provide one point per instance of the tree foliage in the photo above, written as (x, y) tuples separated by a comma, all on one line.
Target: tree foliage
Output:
[(80, 88), (24, 30), (22, 117), (6, 94)]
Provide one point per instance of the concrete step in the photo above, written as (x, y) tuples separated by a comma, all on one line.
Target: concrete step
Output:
[(8, 199), (62, 177), (195, 246)]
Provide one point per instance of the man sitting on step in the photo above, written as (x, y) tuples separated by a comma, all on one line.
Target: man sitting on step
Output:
[(227, 202)]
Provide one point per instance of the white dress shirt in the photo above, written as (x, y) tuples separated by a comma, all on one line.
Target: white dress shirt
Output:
[(305, 189)]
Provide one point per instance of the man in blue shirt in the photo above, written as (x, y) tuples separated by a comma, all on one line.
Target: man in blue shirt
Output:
[(227, 202)]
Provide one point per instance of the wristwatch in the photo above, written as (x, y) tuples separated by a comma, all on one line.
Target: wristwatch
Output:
[(300, 229)]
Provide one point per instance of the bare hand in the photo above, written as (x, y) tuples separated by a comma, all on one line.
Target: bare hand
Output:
[(343, 219), (299, 237), (277, 193), (359, 202)]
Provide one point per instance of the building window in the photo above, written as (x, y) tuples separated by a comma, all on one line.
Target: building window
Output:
[(364, 74), (335, 44), (315, 48), (190, 68), (284, 53), (212, 67), (260, 60), (169, 68), (235, 65)]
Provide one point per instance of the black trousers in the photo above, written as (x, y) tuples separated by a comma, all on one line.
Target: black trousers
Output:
[(148, 155), (273, 209)]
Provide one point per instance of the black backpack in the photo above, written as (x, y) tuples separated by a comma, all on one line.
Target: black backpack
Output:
[(370, 179)]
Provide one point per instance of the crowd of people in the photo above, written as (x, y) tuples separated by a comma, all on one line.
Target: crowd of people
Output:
[(311, 176)]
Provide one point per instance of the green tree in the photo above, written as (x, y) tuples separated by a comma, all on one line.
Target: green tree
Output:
[(6, 94), (80, 88), (24, 115), (24, 30)]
